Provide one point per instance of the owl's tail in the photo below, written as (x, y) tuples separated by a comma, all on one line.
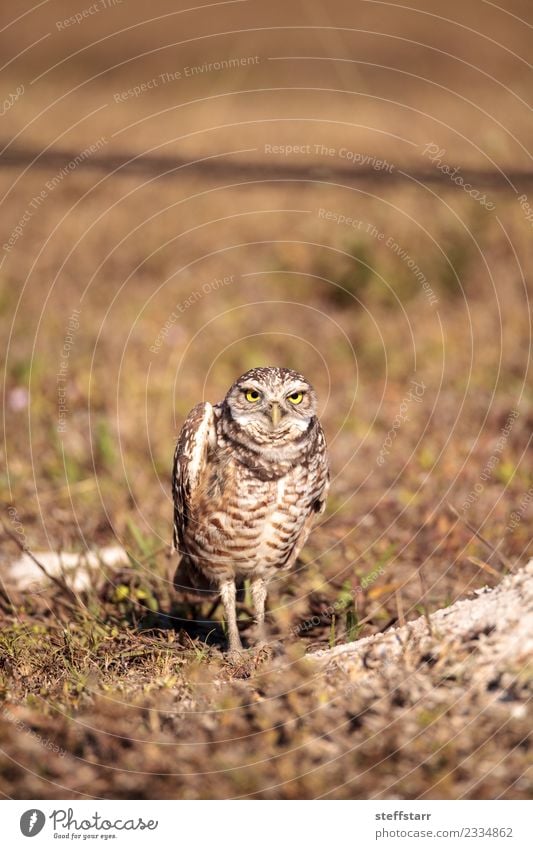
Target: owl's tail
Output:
[(190, 584)]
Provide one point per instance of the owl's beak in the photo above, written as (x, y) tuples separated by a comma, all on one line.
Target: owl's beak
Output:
[(275, 413)]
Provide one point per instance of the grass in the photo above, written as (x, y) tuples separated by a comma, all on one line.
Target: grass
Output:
[(120, 677)]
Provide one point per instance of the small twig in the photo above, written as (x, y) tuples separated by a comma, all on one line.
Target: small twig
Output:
[(507, 563), (423, 586), (88, 483), (399, 607), (9, 606), (59, 582), (389, 624), (141, 560), (482, 565)]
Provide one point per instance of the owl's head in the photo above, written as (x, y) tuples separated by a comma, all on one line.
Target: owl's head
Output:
[(272, 405)]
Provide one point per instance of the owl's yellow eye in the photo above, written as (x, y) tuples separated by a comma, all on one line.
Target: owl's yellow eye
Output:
[(252, 395), (296, 397)]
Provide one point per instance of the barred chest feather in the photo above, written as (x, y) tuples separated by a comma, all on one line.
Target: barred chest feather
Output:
[(247, 523)]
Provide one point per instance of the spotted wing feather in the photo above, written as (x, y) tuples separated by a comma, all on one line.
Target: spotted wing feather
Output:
[(190, 460)]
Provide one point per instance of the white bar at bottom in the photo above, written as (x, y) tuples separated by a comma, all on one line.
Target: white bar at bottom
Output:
[(268, 824)]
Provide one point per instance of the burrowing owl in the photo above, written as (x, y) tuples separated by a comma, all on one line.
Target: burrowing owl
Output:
[(250, 476)]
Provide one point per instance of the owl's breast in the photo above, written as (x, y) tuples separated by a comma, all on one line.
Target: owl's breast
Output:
[(281, 524), (243, 524)]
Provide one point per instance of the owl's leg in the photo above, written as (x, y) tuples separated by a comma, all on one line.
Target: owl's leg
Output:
[(228, 595), (258, 589)]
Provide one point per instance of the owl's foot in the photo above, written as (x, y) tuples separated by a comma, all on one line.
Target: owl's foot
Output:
[(260, 638), (272, 648), (236, 657), (235, 646)]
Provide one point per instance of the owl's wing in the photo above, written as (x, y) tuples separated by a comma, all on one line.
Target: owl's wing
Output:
[(322, 478), (318, 496), (197, 435)]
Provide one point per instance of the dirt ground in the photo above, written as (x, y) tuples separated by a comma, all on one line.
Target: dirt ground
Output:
[(128, 294)]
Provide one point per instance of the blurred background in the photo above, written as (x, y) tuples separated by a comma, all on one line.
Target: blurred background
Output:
[(344, 188)]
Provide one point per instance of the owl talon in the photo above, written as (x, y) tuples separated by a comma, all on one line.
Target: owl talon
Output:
[(235, 656), (271, 648)]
